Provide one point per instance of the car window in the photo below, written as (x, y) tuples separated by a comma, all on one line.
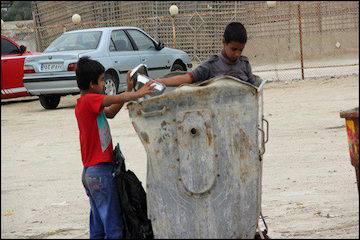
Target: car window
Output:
[(8, 48), (75, 41), (119, 41), (142, 41)]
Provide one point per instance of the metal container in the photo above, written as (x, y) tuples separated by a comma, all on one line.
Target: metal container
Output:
[(204, 146), (352, 127), (140, 77)]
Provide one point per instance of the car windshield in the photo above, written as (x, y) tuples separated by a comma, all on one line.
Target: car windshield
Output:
[(75, 41)]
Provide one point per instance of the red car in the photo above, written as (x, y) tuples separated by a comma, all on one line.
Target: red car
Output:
[(12, 68)]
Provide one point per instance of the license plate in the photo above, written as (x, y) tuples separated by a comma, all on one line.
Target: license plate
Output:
[(51, 67)]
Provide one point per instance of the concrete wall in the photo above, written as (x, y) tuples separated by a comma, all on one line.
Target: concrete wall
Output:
[(265, 50)]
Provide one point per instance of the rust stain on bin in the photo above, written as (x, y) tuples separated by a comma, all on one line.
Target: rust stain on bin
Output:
[(163, 124), (208, 133), (352, 127), (242, 147), (144, 137)]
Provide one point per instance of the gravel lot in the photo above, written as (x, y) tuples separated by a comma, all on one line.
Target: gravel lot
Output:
[(309, 185)]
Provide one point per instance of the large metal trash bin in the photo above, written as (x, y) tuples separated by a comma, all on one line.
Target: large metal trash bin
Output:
[(352, 128), (204, 165)]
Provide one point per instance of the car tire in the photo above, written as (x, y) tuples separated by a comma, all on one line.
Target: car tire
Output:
[(49, 101), (177, 68), (111, 84)]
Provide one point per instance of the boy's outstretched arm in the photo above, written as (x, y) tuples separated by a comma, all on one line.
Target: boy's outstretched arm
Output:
[(113, 109), (176, 80), (113, 104)]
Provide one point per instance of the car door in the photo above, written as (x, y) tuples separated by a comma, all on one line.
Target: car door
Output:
[(157, 62), (12, 70), (123, 55)]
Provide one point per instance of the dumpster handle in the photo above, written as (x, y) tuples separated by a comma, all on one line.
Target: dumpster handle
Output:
[(267, 130), (154, 113), (262, 151)]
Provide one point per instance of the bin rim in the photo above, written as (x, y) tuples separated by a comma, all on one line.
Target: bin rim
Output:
[(202, 84)]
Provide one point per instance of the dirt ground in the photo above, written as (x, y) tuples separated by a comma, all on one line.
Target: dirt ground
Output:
[(309, 185)]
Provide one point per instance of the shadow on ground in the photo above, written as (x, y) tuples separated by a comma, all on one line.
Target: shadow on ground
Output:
[(18, 100)]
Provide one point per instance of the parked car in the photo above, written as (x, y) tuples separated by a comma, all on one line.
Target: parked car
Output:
[(118, 49), (12, 65)]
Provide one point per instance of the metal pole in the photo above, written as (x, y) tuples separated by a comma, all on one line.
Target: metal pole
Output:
[(301, 47), (37, 30), (157, 20), (174, 31)]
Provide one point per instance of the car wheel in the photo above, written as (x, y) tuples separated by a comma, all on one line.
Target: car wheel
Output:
[(177, 68), (111, 84), (49, 101)]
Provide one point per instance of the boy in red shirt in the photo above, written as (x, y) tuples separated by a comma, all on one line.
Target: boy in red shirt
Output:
[(91, 111)]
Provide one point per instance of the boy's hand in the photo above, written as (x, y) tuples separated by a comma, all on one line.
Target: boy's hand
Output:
[(130, 82), (146, 89)]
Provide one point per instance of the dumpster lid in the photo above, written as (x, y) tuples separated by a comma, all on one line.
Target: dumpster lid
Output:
[(350, 114)]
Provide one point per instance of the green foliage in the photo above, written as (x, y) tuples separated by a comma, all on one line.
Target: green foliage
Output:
[(19, 10)]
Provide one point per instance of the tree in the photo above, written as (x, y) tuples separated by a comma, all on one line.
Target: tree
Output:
[(19, 10)]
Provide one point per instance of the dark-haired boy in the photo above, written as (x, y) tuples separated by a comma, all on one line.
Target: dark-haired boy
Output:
[(91, 111), (228, 62)]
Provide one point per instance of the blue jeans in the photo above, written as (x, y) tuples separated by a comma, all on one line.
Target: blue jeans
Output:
[(105, 212)]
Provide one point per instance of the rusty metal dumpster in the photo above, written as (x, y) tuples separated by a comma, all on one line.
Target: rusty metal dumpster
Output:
[(352, 127), (204, 145)]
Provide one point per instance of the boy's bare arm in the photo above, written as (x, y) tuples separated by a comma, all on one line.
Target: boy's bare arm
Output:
[(118, 100), (111, 111), (176, 80)]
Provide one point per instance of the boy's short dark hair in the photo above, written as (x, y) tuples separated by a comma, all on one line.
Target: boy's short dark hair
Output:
[(88, 70), (235, 32)]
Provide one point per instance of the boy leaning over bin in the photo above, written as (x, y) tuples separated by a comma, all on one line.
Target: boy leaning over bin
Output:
[(91, 111), (228, 62)]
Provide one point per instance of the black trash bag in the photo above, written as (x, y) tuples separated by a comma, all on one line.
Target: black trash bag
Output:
[(264, 233), (132, 200)]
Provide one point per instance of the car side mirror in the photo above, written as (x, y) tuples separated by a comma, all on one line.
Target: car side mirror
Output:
[(159, 45), (22, 49)]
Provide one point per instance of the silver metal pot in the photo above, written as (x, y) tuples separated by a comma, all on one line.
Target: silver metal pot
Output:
[(140, 77)]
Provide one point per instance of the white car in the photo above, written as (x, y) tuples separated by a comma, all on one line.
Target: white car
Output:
[(119, 49)]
